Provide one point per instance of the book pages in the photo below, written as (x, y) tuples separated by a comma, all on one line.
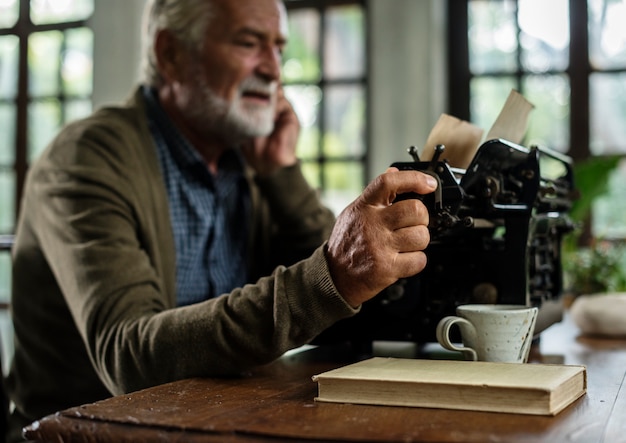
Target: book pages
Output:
[(520, 388)]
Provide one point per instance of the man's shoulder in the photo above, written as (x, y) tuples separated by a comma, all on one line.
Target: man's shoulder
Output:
[(112, 120), (112, 136)]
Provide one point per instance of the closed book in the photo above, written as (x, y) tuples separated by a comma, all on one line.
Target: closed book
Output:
[(540, 389)]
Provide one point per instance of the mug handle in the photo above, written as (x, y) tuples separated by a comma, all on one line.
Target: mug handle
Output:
[(443, 336)]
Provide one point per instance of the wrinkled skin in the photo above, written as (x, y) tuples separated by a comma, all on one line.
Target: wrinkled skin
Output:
[(268, 154), (199, 88), (376, 242)]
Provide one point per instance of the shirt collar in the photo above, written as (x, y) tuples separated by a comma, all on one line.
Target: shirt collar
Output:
[(181, 150)]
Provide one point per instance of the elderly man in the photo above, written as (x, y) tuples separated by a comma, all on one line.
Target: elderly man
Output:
[(175, 236)]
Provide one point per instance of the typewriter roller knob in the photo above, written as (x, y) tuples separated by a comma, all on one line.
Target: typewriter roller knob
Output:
[(485, 293), (414, 153)]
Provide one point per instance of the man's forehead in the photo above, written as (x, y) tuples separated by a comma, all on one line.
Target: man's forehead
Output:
[(269, 13)]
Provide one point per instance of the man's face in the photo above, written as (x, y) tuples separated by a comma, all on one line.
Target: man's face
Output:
[(233, 85)]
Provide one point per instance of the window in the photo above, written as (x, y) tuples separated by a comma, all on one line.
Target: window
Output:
[(45, 81), (325, 77), (569, 59)]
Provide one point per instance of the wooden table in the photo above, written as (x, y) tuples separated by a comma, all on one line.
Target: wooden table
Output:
[(275, 403)]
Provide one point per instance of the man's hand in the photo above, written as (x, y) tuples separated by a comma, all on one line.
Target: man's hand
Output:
[(376, 242), (277, 150)]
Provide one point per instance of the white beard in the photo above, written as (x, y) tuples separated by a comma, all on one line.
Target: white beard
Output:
[(237, 120)]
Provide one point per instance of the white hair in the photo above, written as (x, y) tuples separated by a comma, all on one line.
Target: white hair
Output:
[(187, 20)]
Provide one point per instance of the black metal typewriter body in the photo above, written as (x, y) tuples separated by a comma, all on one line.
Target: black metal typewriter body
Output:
[(496, 230)]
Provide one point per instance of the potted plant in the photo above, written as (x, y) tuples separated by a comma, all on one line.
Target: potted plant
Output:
[(597, 268), (594, 269)]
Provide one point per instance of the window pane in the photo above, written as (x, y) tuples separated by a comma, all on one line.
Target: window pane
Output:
[(7, 201), (5, 278), (308, 143), (9, 12), (488, 95), (9, 48), (344, 42), (492, 36), (311, 171), (301, 58), (77, 70), (609, 209), (607, 34), (44, 121), (607, 113), (75, 109), (324, 67), (549, 121), (7, 135), (344, 118), (306, 102), (44, 49), (343, 182), (54, 11), (544, 34)]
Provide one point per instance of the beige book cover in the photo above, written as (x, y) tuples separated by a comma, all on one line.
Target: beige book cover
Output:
[(540, 389)]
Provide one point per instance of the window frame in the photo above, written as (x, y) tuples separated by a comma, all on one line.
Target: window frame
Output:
[(323, 83), (579, 72), (23, 29)]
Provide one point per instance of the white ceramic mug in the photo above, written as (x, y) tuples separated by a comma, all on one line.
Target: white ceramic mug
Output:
[(491, 332)]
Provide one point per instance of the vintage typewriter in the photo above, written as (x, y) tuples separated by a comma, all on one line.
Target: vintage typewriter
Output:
[(496, 231)]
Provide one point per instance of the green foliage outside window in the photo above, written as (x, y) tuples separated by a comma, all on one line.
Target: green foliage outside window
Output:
[(601, 266)]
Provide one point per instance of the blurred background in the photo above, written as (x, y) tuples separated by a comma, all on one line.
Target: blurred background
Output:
[(368, 79)]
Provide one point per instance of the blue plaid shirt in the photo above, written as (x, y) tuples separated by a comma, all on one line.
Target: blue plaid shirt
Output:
[(209, 213)]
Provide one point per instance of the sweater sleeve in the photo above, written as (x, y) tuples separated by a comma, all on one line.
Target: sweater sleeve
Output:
[(95, 225), (296, 221)]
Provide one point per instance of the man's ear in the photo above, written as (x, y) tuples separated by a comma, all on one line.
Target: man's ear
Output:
[(169, 56)]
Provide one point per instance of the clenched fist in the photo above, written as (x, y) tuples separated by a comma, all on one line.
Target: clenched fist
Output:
[(375, 241)]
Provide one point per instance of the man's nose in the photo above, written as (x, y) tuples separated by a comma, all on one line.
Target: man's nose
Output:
[(270, 63)]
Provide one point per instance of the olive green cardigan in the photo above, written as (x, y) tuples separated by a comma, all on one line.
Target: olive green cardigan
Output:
[(94, 274)]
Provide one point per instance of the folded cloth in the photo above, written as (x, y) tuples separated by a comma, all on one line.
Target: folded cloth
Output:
[(600, 314)]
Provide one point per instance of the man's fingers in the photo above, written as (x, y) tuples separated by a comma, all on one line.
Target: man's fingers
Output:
[(410, 239), (386, 187), (408, 264), (377, 240), (405, 213)]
